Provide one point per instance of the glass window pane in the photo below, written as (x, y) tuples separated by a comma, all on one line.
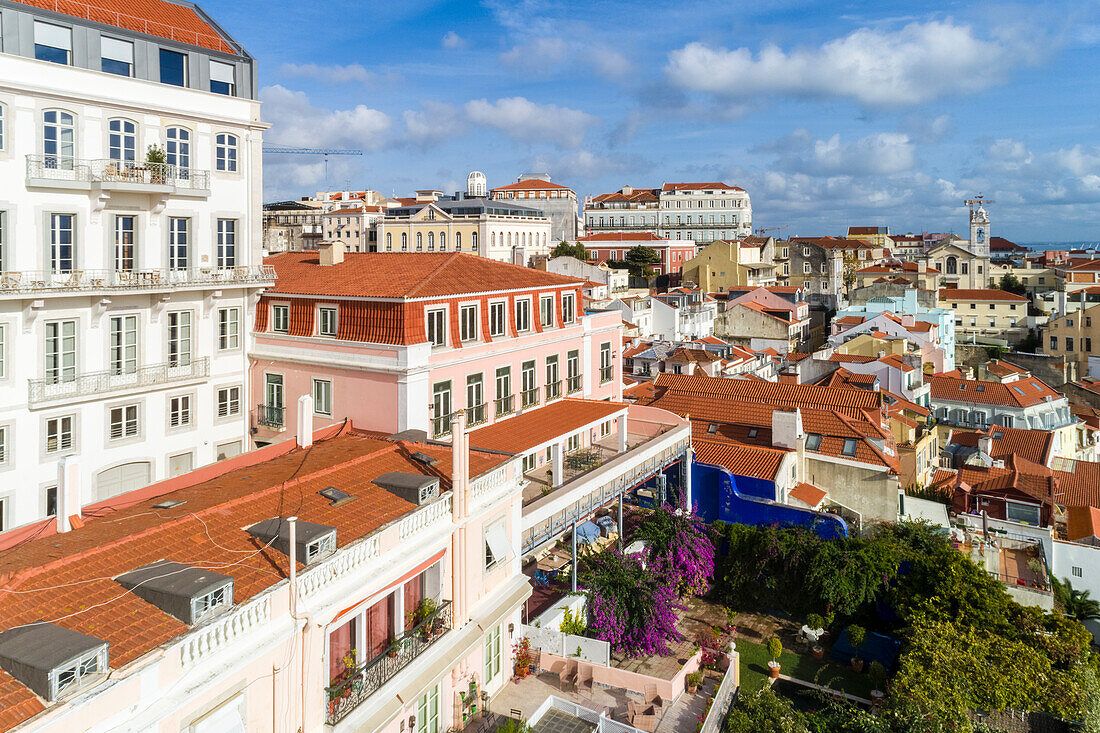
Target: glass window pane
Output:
[(173, 68)]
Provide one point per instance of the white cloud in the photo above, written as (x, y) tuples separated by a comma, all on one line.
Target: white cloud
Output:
[(883, 153), (609, 63), (585, 164), (334, 74), (522, 119), (537, 55), (295, 121), (453, 40), (433, 122), (875, 67)]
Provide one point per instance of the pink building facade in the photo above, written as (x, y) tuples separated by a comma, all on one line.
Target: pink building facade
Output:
[(399, 342), (615, 245)]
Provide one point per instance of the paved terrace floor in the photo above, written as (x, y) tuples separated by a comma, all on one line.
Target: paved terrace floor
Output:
[(527, 694), (603, 450)]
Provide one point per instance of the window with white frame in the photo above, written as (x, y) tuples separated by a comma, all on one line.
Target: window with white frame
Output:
[(568, 308), (523, 315), (280, 318), (178, 240), (179, 338), (437, 326), (124, 344), (58, 139), (116, 56), (492, 655), (124, 422), (530, 462), (322, 397), (498, 547), (546, 311), (327, 322), (227, 243), (225, 152), (177, 148), (53, 43), (124, 243), (229, 328), (173, 68), (3, 445), (3, 128), (467, 323), (179, 411), (806, 268), (229, 401), (497, 319), (62, 242), (3, 351), (60, 351), (212, 602), (427, 712), (122, 142), (76, 673), (222, 80)]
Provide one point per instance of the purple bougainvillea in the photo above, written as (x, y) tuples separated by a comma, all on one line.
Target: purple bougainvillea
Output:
[(679, 548), (632, 604)]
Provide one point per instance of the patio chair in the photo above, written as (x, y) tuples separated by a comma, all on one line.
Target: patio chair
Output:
[(567, 675), (652, 698), (642, 717), (585, 681)]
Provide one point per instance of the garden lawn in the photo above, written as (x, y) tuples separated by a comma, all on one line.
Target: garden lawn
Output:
[(754, 670)]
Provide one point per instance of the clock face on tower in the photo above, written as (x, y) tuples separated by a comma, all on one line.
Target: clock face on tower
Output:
[(980, 234)]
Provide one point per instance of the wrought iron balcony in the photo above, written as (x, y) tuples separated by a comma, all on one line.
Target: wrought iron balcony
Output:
[(57, 170), (529, 397), (271, 416), (45, 281), (78, 386), (441, 426), (553, 390), (505, 405), (573, 384), (606, 374), (357, 684), (476, 415)]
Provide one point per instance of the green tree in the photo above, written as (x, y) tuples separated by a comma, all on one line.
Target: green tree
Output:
[(851, 264), (1077, 603), (570, 249), (641, 259), (1012, 284), (1031, 343), (764, 712)]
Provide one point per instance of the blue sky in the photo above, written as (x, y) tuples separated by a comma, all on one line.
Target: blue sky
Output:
[(829, 114)]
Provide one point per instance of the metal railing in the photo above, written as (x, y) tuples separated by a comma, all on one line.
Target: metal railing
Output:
[(505, 405), (270, 416), (553, 390), (30, 281), (50, 389), (529, 397), (362, 681), (573, 384), (441, 426), (606, 374), (105, 170), (476, 415)]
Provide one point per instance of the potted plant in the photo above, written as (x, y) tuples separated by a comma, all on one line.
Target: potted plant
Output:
[(521, 657), (857, 636), (878, 682), (391, 651), (775, 648), (425, 610), (156, 161), (693, 681)]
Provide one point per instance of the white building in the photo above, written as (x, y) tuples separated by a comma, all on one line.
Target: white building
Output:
[(124, 309), (615, 281), (702, 212)]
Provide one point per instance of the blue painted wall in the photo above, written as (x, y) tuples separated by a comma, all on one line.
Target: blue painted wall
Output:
[(717, 494)]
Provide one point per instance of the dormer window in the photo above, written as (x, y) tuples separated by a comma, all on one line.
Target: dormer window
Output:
[(712, 428), (211, 603), (189, 594), (849, 448), (321, 547), (51, 660), (813, 441)]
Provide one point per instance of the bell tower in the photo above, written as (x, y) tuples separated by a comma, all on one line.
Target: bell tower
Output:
[(979, 226)]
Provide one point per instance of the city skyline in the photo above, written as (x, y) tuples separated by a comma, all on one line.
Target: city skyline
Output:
[(950, 102)]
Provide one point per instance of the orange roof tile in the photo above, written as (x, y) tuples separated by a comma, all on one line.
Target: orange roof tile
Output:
[(1020, 393), (980, 294), (1082, 523), (808, 493), (740, 460), (1002, 368), (531, 184), (637, 195), (1034, 445), (700, 187), (535, 427), (405, 275), (153, 17)]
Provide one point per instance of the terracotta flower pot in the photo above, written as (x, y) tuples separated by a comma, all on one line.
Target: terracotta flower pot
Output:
[(857, 664), (522, 670), (818, 651), (773, 670), (692, 689)]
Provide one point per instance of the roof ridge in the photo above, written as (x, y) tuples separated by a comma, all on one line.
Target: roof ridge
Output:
[(427, 279)]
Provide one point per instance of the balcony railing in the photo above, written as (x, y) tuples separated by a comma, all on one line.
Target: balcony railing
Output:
[(134, 174), (88, 384), (553, 390), (505, 405), (476, 415), (360, 682), (573, 384), (37, 281), (441, 426), (271, 416), (606, 374), (529, 397)]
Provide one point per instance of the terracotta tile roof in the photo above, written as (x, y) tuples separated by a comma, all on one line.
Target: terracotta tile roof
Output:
[(851, 320), (895, 361), (1034, 445), (66, 578), (770, 393), (834, 242), (796, 356), (1001, 368), (867, 230), (153, 17), (405, 275), (952, 295), (808, 493), (700, 187), (1082, 522), (683, 354), (637, 195), (740, 460), (851, 358), (1078, 486), (531, 184), (1000, 244), (845, 378), (639, 349), (639, 391), (624, 237), (535, 427), (1088, 384), (1020, 393), (1089, 415), (900, 403)]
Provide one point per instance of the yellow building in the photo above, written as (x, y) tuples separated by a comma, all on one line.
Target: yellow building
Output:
[(1075, 336), (725, 264), (913, 274), (879, 236), (984, 314)]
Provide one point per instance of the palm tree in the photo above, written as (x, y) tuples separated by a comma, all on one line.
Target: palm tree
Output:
[(1076, 603)]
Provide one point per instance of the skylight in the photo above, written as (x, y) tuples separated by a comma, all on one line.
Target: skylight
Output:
[(712, 428), (1017, 389), (813, 441), (334, 495), (849, 447)]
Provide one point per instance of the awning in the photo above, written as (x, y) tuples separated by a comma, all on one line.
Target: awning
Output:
[(498, 542)]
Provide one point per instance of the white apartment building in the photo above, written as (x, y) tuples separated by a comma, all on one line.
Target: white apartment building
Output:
[(701, 212), (127, 276)]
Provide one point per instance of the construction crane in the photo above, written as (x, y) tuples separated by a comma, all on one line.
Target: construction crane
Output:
[(290, 150), (979, 200), (762, 232)]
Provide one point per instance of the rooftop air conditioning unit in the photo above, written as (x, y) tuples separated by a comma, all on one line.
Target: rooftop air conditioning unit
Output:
[(412, 487)]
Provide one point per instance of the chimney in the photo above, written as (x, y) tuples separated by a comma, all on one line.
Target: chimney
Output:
[(305, 421), (985, 442), (68, 492), (787, 428), (331, 253)]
